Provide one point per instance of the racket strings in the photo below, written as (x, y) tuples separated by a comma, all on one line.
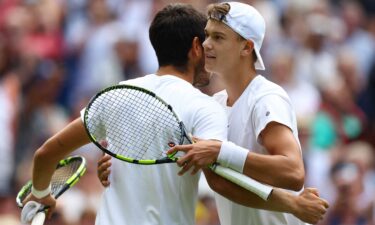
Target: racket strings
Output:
[(59, 179), (135, 124), (62, 175)]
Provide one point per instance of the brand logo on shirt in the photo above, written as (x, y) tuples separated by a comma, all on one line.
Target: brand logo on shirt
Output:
[(268, 113)]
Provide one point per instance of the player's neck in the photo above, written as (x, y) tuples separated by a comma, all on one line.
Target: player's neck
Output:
[(236, 82), (171, 70)]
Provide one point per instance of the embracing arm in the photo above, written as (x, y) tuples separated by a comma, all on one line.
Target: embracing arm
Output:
[(54, 149), (307, 206), (283, 167)]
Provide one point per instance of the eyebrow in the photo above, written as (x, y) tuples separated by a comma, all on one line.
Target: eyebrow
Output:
[(214, 32)]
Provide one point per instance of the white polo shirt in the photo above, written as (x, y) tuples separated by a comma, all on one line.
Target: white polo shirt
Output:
[(155, 194), (261, 103)]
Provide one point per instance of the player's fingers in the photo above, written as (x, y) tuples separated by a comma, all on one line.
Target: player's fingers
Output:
[(325, 204), (104, 175), (104, 143), (185, 168), (104, 166), (182, 148), (106, 183), (315, 191), (184, 160), (104, 159), (195, 170), (196, 139), (50, 210)]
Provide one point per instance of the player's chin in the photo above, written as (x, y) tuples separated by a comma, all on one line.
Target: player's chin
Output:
[(209, 67), (202, 81)]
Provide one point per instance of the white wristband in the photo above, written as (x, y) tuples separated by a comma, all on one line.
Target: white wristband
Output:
[(232, 156), (41, 194)]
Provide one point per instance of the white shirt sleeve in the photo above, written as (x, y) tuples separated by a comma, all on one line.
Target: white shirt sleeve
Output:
[(271, 108), (210, 121)]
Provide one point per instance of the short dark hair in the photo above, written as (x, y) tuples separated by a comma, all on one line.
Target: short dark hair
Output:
[(172, 32)]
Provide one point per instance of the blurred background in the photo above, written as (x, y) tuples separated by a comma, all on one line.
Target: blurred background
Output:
[(55, 54)]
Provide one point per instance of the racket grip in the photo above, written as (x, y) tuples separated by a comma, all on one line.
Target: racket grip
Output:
[(39, 218), (262, 190)]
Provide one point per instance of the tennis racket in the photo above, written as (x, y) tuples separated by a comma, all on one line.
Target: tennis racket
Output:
[(66, 175), (138, 127)]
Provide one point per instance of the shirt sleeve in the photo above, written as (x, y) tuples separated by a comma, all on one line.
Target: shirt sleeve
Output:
[(210, 121), (271, 108)]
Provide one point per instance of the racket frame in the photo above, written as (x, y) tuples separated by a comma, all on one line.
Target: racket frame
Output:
[(68, 184), (169, 159)]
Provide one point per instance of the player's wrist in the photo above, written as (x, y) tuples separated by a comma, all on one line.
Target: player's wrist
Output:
[(39, 194), (232, 156), (293, 206), (285, 201)]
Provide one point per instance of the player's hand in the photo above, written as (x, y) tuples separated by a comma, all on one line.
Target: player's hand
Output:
[(310, 207), (104, 165), (198, 155), (48, 201)]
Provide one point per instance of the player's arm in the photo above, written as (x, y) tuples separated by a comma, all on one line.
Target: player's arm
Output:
[(283, 167), (307, 206), (54, 149)]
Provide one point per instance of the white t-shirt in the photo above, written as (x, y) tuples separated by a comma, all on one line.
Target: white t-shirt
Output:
[(155, 194), (261, 103)]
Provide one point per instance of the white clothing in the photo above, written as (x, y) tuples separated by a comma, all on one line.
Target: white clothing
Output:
[(261, 103), (155, 194)]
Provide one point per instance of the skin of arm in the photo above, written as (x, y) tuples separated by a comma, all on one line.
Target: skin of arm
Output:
[(282, 168), (50, 153), (56, 148), (307, 206)]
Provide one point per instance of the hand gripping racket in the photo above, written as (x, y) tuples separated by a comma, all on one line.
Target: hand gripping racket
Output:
[(138, 127), (66, 175)]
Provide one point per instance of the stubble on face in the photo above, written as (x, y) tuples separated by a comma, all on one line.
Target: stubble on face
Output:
[(201, 76)]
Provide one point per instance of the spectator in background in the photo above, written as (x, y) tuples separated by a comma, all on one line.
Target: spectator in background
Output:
[(314, 63), (361, 43), (353, 178), (98, 65), (9, 94), (303, 95), (348, 70), (339, 120), (347, 181)]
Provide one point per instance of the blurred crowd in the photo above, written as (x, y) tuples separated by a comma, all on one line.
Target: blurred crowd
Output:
[(55, 54)]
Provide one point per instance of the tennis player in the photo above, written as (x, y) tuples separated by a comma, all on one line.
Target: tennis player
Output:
[(262, 137), (155, 194)]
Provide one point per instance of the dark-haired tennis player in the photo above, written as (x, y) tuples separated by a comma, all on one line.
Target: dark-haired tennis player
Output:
[(156, 194)]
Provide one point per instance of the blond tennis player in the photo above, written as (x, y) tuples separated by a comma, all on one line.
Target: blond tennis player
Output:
[(262, 130)]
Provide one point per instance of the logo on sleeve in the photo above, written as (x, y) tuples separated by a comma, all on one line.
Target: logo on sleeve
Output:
[(267, 113)]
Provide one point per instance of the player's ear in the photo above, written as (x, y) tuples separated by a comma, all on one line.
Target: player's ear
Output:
[(196, 47), (247, 48)]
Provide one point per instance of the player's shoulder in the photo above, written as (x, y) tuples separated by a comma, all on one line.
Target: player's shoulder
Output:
[(139, 81), (262, 88)]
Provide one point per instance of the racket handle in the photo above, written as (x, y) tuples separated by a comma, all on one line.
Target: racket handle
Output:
[(39, 218), (262, 190)]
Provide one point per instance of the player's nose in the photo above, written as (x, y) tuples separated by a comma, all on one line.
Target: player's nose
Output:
[(207, 45)]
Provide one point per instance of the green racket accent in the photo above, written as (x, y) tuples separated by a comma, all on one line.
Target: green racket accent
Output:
[(67, 174)]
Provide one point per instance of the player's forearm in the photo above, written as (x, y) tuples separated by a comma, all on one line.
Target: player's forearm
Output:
[(54, 149), (275, 170), (279, 200)]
